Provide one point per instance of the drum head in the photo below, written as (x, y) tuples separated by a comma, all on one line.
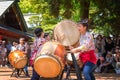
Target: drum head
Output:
[(47, 66), (17, 59), (20, 63), (66, 33), (53, 48)]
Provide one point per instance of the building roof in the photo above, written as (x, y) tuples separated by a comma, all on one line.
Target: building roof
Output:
[(11, 32), (12, 20), (4, 5)]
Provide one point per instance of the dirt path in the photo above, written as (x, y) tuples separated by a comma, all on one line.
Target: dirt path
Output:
[(6, 72)]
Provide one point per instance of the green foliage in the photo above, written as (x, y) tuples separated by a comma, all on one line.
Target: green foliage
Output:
[(25, 6), (104, 15), (105, 12), (35, 21), (104, 30), (54, 7), (46, 22)]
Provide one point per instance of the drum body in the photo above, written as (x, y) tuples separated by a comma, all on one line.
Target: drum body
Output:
[(67, 33), (17, 59), (50, 61), (70, 61)]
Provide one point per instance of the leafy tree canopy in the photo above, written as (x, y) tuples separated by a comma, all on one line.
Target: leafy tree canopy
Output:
[(103, 14)]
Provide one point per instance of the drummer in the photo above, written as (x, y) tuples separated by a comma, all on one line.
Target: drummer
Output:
[(23, 46), (13, 48), (87, 50), (37, 45), (47, 37)]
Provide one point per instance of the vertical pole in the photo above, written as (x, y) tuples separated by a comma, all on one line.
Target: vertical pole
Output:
[(61, 76), (77, 69)]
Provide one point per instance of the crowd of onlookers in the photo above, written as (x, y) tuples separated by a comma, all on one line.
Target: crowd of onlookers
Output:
[(107, 51), (6, 47), (108, 54)]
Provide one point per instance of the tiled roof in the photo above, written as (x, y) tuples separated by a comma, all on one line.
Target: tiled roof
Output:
[(4, 5)]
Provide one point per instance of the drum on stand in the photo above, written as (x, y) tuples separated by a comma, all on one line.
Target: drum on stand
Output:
[(70, 61), (50, 61), (67, 33), (17, 59)]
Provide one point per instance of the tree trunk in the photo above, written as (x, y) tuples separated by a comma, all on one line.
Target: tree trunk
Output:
[(84, 11)]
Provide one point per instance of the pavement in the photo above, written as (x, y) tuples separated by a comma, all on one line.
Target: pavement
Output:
[(5, 74)]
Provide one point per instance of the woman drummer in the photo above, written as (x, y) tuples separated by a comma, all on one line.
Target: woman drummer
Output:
[(87, 50), (23, 46), (37, 45)]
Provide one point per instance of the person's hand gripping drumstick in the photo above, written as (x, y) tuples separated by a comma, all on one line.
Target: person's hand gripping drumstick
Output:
[(72, 49), (77, 49)]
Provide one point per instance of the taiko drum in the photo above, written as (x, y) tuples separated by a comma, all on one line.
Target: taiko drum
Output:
[(17, 59), (67, 33), (50, 61)]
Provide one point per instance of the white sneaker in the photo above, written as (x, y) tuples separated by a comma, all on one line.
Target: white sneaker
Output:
[(6, 66)]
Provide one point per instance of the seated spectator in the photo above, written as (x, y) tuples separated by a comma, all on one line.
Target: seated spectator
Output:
[(100, 60), (100, 45), (109, 47), (99, 63), (117, 59), (107, 65)]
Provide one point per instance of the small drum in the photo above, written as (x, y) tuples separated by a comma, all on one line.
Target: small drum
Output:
[(50, 61), (70, 61), (67, 33), (17, 59)]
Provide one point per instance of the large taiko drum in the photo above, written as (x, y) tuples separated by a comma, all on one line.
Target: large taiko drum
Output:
[(67, 33), (50, 61), (17, 59)]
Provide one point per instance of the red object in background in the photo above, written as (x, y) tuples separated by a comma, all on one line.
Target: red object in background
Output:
[(0, 37)]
